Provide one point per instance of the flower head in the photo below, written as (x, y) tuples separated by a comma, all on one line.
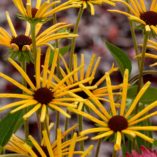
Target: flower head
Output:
[(145, 152), (87, 76), (42, 10), (139, 12), (91, 3), (120, 121), (44, 93), (22, 43), (47, 149)]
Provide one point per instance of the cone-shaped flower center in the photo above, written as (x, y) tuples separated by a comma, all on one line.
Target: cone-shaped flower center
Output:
[(43, 95), (21, 40), (34, 11), (117, 123), (149, 17)]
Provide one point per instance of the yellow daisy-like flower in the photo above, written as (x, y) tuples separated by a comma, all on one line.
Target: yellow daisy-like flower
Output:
[(140, 13), (119, 122), (87, 77), (152, 45), (44, 93), (23, 42), (41, 10), (91, 3), (56, 149)]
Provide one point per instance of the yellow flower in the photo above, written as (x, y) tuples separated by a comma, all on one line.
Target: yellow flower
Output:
[(91, 3), (139, 12), (121, 121), (152, 45), (44, 93), (23, 42), (86, 77), (41, 10), (56, 149)]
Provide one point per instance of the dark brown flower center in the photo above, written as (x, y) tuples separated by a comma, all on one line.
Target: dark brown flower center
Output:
[(118, 123), (43, 95), (34, 11), (149, 17), (21, 40)]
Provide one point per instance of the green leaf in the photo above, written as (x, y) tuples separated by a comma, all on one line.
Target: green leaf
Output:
[(149, 96), (120, 57), (8, 125)]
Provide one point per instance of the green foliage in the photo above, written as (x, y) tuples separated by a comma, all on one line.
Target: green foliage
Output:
[(149, 96), (8, 125), (120, 57)]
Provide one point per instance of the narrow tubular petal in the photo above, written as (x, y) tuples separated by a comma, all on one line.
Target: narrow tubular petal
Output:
[(75, 66), (117, 145), (143, 118), (146, 138), (38, 3), (59, 110), (28, 114), (94, 130), (143, 6), (26, 90), (48, 144), (88, 116), (45, 69), (124, 92), (90, 66), (65, 78), (43, 113), (30, 103), (95, 68), (23, 73), (146, 128), (97, 103), (11, 24), (142, 112), (30, 151), (95, 110), (106, 134), (87, 152), (82, 70), (54, 64), (37, 146), (14, 104), (110, 94), (129, 132), (20, 96), (72, 145), (138, 97), (91, 8), (59, 140)]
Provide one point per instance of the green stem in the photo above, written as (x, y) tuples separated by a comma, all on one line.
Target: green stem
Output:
[(57, 121), (134, 42), (80, 122), (34, 47), (39, 125), (74, 39), (98, 148), (146, 35), (26, 122), (114, 154)]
